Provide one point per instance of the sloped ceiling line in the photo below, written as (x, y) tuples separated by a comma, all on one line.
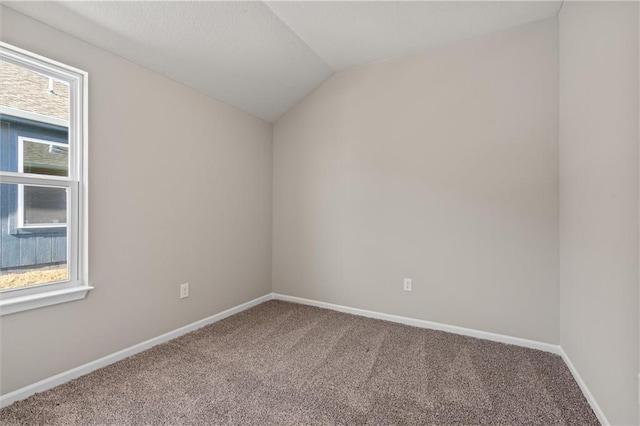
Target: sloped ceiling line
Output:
[(275, 14), (263, 57)]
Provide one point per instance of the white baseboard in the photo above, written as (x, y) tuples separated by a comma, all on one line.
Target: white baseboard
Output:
[(66, 376), (585, 390), (546, 347)]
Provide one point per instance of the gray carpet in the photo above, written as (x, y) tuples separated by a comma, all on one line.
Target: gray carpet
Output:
[(283, 363)]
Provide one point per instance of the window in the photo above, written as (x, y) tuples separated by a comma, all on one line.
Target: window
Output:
[(42, 207), (43, 184)]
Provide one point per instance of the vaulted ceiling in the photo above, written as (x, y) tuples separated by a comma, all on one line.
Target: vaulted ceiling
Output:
[(263, 57)]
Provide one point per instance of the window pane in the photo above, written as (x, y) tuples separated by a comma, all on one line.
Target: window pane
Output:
[(33, 106), (45, 158), (29, 258), (44, 205)]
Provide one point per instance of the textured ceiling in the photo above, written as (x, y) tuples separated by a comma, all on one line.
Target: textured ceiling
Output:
[(239, 53), (347, 34), (264, 57)]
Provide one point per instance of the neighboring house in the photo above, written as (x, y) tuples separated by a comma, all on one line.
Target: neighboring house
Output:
[(34, 112)]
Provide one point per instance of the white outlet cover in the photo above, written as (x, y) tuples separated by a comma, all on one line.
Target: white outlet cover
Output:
[(408, 284), (184, 290)]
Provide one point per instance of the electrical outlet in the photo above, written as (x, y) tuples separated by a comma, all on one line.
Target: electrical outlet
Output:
[(408, 284), (184, 290)]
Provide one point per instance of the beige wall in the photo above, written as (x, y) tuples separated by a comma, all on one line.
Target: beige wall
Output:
[(599, 200), (180, 191), (440, 166)]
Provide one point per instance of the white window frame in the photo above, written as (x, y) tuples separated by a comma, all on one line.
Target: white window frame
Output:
[(20, 213), (77, 285)]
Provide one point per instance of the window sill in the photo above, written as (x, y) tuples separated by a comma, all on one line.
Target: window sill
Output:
[(13, 305), (39, 230)]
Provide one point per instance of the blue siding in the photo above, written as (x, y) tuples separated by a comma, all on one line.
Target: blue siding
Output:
[(10, 246), (43, 249), (19, 247), (59, 248), (5, 148)]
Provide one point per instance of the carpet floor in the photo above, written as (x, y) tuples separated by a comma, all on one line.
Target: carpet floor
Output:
[(284, 363)]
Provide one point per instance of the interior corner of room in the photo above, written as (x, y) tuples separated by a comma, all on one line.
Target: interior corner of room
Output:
[(498, 173)]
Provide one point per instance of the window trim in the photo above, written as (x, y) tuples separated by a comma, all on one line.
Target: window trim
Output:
[(77, 286), (20, 211)]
